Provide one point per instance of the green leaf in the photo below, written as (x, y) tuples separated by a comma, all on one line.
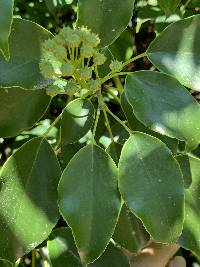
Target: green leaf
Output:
[(164, 105), (114, 150), (168, 6), (62, 249), (191, 231), (113, 256), (136, 125), (176, 51), (20, 109), (110, 20), (152, 189), (130, 232), (89, 200), (6, 16), (28, 198), (25, 52), (68, 151), (5, 263), (77, 119)]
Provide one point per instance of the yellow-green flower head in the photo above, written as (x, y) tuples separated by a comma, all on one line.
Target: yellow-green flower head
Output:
[(67, 69), (116, 66), (85, 73), (65, 32), (87, 51), (94, 85), (91, 38), (60, 53), (56, 88), (59, 40), (73, 40), (99, 59), (49, 45), (71, 88), (46, 69)]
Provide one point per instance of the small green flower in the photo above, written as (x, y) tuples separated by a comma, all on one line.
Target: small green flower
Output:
[(116, 66), (49, 45), (66, 32), (59, 40), (56, 88), (46, 69), (94, 85), (87, 51), (99, 59), (85, 73), (91, 38), (71, 88), (60, 53), (73, 40), (67, 69)]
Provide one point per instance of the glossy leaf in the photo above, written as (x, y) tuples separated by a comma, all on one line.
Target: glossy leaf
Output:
[(136, 125), (6, 14), (152, 189), (110, 20), (20, 109), (176, 51), (164, 105), (89, 200), (191, 231), (130, 232), (62, 249), (77, 119), (25, 52), (112, 257), (68, 151), (114, 150), (27, 213), (168, 6)]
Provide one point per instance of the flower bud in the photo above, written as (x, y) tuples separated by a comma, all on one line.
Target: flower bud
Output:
[(46, 69), (73, 40), (65, 32), (116, 66), (60, 53), (56, 88), (99, 59), (85, 73), (49, 45), (94, 85), (91, 38), (71, 88), (87, 51), (67, 69)]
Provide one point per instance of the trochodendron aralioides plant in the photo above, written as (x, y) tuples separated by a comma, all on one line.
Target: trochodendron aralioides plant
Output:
[(119, 165)]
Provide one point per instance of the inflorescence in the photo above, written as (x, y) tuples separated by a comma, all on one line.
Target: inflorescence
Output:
[(71, 59)]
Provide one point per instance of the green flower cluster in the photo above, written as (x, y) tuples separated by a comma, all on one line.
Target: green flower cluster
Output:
[(71, 59)]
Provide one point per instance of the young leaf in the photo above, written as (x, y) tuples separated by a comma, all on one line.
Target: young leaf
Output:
[(164, 105), (25, 52), (191, 231), (77, 119), (6, 16), (110, 20), (20, 109), (28, 198), (151, 184), (62, 249), (168, 6), (176, 51), (89, 200), (113, 256), (130, 232)]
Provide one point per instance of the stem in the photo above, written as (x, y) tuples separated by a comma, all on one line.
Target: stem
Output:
[(33, 258), (52, 125), (95, 125), (118, 120), (106, 78), (134, 59), (112, 94), (118, 84), (108, 125)]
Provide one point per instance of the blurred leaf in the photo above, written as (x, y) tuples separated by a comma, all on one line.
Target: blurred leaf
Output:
[(62, 249), (191, 231), (113, 256), (110, 20), (6, 16), (148, 188), (169, 6), (20, 109), (130, 232), (77, 119), (89, 200), (179, 54), (27, 213), (164, 105), (25, 52)]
